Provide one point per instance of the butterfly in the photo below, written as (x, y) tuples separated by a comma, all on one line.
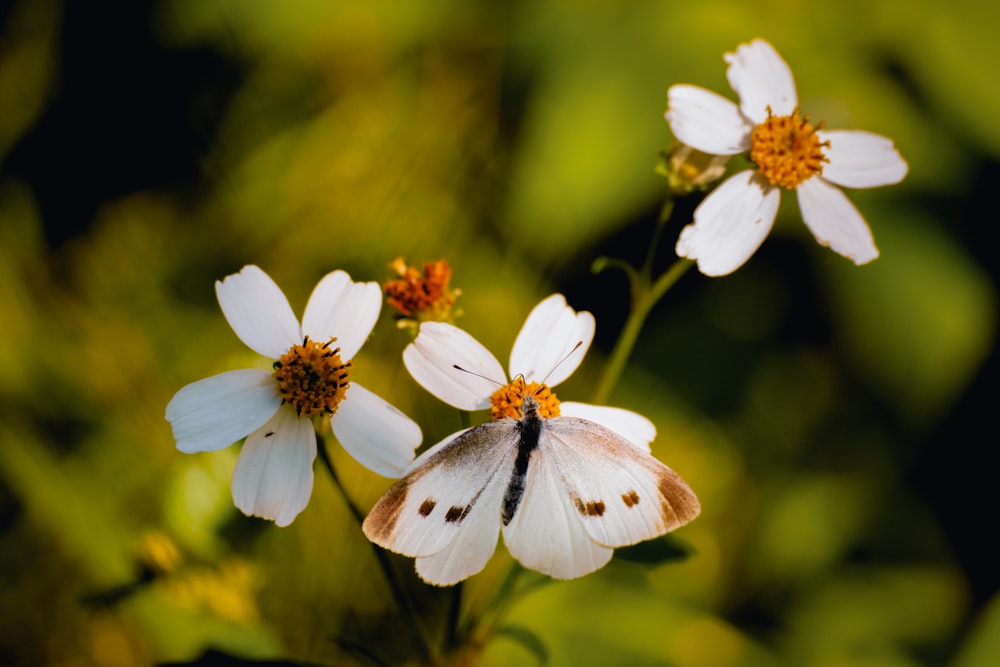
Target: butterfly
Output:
[(564, 491)]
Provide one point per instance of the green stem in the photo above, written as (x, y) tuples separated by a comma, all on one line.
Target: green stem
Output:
[(452, 638), (480, 628), (644, 298), (644, 295), (665, 212), (382, 556)]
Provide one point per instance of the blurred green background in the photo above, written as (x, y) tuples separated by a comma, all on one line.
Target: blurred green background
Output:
[(835, 421)]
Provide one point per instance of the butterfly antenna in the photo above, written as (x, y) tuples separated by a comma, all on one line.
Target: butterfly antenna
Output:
[(576, 347), (543, 383), (478, 375), (559, 363)]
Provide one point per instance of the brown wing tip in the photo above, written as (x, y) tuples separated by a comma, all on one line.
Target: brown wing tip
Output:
[(679, 503), (380, 524)]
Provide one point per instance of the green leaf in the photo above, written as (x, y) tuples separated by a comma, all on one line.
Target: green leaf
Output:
[(27, 66), (981, 645), (655, 552), (528, 640), (610, 619)]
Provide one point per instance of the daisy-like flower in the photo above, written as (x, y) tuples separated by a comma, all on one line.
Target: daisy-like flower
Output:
[(565, 483), (310, 379), (787, 151), (550, 346)]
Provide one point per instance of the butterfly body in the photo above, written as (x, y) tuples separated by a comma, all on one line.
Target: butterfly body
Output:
[(564, 491), (530, 426)]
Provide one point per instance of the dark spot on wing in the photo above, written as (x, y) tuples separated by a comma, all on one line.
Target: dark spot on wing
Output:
[(456, 513), (630, 498), (589, 508), (427, 506), (269, 434)]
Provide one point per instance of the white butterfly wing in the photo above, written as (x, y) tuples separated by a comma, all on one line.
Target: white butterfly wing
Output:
[(635, 428), (445, 510), (474, 542), (546, 533), (619, 494)]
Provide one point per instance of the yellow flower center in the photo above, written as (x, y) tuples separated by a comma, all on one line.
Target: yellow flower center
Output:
[(507, 399), (787, 149), (312, 378)]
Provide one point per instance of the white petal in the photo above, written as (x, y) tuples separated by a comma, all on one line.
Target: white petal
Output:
[(258, 312), (552, 342), (630, 425), (344, 309), (707, 121), (835, 222), (730, 224), (216, 412), (862, 159), (761, 78), (273, 478), (374, 432), (431, 360)]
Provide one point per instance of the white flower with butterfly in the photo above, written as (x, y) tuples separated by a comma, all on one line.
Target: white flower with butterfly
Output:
[(788, 152), (564, 482), (309, 380)]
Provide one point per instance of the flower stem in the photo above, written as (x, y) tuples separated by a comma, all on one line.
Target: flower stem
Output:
[(661, 221), (644, 294), (644, 297), (382, 556), (479, 628), (452, 637)]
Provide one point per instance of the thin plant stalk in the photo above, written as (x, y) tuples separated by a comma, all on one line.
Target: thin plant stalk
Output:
[(645, 293), (477, 630), (392, 580), (453, 636)]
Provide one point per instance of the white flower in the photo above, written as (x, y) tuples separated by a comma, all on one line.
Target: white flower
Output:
[(788, 152), (274, 410), (549, 347), (474, 473)]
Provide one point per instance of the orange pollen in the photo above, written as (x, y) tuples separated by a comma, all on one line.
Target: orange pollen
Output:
[(507, 399), (312, 378), (414, 293), (787, 150)]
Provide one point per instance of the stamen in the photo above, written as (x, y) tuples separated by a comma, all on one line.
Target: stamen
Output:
[(424, 296), (787, 149), (687, 169), (507, 399), (312, 378)]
